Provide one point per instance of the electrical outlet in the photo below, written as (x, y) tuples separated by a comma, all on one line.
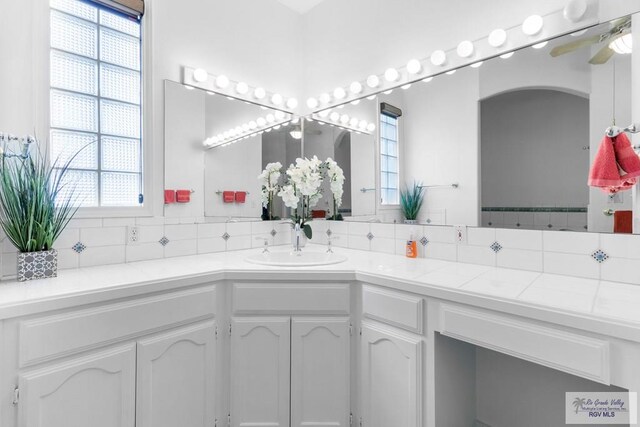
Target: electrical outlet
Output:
[(461, 234), (132, 235)]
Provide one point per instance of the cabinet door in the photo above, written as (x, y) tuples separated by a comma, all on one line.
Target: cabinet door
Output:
[(97, 390), (391, 378), (176, 378), (260, 353), (320, 372)]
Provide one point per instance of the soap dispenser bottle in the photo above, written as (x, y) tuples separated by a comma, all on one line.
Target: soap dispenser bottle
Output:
[(412, 248)]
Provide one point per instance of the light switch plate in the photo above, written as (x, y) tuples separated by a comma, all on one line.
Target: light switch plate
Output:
[(461, 234)]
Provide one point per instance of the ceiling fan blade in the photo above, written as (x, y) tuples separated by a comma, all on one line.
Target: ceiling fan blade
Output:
[(602, 56), (574, 45)]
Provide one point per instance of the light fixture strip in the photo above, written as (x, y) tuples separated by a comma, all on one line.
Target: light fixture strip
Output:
[(319, 119), (222, 85), (249, 134), (516, 40)]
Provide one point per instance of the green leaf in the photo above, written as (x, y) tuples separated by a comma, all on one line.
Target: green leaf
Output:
[(307, 231)]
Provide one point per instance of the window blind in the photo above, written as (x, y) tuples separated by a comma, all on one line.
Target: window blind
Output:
[(133, 8)]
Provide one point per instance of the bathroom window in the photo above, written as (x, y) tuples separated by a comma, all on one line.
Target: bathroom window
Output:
[(96, 101), (389, 154)]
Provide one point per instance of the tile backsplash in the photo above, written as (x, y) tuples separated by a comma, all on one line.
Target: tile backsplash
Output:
[(89, 242)]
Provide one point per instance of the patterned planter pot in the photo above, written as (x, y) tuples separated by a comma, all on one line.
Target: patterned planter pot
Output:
[(37, 265)]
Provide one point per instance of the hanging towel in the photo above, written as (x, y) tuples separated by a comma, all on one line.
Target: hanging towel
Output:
[(241, 196), (623, 222), (627, 159), (228, 196), (605, 173), (183, 196)]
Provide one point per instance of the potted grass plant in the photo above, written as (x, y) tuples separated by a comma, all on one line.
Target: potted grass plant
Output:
[(411, 200), (36, 204)]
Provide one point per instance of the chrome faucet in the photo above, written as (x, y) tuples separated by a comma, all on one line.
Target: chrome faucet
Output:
[(297, 231)]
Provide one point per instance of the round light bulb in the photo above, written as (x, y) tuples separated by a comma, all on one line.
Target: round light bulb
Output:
[(355, 88), (371, 127), (497, 37), (279, 115), (477, 64), (325, 98), (438, 58), (242, 88), (238, 129), (259, 93), (261, 121), (312, 103), (246, 127), (540, 45), (532, 25), (344, 119), (407, 86), (578, 33), (428, 79), (451, 72), (507, 55), (391, 75), (622, 45), (371, 98), (414, 66), (292, 103), (222, 81), (252, 125), (200, 75), (277, 99), (339, 93), (226, 134), (465, 49), (335, 116), (575, 10), (388, 92), (271, 118), (356, 102), (295, 120), (207, 142), (363, 124), (373, 81), (354, 122), (324, 113)]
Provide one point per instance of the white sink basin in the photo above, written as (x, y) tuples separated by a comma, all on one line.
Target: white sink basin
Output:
[(296, 259)]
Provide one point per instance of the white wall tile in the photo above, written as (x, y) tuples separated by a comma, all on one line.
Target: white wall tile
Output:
[(238, 242), (118, 222), (102, 255), (9, 264), (239, 229), (211, 230), (383, 245), (181, 232), (150, 233), (172, 220), (85, 223), (358, 229), (482, 255), (68, 238), (181, 248), (214, 244), (150, 220), (439, 234), (519, 239), (359, 242), (520, 258), (408, 231), (68, 258), (580, 265), (339, 227), (480, 236), (105, 236), (620, 270), (570, 242), (387, 231), (621, 245), (443, 251), (144, 251)]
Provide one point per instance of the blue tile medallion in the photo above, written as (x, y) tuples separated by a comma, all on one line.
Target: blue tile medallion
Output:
[(496, 247), (600, 256), (226, 236), (79, 247), (164, 241), (424, 241), (370, 236)]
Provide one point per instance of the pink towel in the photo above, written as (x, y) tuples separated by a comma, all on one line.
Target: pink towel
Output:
[(241, 196), (627, 159), (605, 172)]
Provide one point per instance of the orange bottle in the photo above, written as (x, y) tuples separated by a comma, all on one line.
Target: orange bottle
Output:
[(412, 248)]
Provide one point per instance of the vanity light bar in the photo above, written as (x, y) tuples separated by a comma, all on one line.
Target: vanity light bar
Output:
[(500, 42), (247, 130), (200, 78), (345, 122)]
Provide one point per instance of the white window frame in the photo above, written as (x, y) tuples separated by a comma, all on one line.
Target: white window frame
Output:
[(41, 106), (388, 206)]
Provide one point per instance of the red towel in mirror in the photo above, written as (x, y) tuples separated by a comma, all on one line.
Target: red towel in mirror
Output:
[(623, 222), (626, 157), (228, 196), (605, 172), (169, 197), (183, 196), (241, 196)]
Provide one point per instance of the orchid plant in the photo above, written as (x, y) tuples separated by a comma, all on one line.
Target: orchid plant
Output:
[(269, 179), (336, 180)]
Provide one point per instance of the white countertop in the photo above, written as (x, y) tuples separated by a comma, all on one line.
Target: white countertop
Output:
[(607, 308)]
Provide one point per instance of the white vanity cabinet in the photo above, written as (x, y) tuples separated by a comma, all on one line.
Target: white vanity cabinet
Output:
[(290, 355), (391, 357), (146, 361)]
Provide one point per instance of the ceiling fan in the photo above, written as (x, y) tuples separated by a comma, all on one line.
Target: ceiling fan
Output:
[(618, 40)]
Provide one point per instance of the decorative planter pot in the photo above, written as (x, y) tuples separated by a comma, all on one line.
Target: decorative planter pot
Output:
[(37, 265), (410, 221)]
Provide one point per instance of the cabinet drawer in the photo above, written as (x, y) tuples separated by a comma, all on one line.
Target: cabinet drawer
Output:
[(292, 298), (47, 337), (565, 351), (394, 308)]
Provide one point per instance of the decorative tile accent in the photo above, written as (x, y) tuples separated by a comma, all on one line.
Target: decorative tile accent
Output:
[(370, 236), (424, 241), (164, 241), (329, 233), (226, 236), (273, 232), (496, 247), (600, 256), (79, 247)]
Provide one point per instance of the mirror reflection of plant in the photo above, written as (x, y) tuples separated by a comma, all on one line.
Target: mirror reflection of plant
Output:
[(336, 179), (36, 200), (301, 192), (270, 187), (411, 200)]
